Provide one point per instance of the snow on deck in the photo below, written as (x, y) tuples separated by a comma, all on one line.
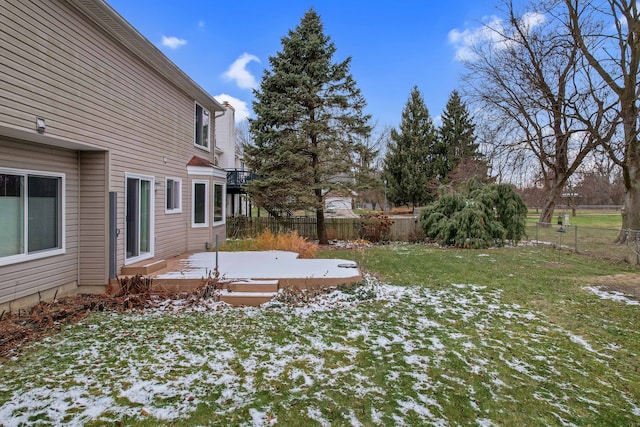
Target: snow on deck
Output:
[(261, 265)]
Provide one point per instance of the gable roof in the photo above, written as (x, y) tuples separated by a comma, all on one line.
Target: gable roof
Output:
[(105, 17)]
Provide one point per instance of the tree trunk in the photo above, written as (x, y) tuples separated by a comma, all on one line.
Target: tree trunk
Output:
[(630, 173), (548, 206), (630, 214), (321, 226)]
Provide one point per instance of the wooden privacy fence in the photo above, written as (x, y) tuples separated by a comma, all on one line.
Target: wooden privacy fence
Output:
[(403, 228)]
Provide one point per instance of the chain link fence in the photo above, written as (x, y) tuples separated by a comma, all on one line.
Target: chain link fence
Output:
[(597, 242)]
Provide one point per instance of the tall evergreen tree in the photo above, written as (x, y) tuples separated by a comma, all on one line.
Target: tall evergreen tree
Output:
[(407, 165), (456, 138), (309, 119)]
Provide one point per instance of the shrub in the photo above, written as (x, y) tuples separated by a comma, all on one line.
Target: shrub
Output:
[(479, 217), (374, 226), (282, 241)]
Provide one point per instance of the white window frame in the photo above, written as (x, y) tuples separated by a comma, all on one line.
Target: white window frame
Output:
[(224, 203), (179, 197), (193, 203), (45, 253), (198, 128)]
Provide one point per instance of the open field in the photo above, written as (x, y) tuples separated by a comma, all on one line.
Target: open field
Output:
[(597, 218), (511, 336)]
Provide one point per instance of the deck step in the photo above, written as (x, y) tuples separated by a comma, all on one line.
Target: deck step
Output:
[(144, 267), (246, 298), (243, 292), (249, 285)]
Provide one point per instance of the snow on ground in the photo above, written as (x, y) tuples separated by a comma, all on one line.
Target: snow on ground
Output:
[(376, 355), (263, 265), (612, 295)]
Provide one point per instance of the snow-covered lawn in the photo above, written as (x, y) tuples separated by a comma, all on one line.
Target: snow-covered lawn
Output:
[(379, 355)]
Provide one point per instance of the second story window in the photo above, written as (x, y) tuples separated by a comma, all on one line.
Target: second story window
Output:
[(202, 127)]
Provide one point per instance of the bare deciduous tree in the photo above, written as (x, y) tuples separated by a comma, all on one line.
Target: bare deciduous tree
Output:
[(529, 80), (607, 33)]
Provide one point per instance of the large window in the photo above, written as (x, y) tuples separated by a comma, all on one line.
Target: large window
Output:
[(200, 214), (31, 215), (202, 127), (218, 203), (174, 195)]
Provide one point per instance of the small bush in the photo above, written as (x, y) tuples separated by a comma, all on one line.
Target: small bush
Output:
[(267, 241), (374, 227)]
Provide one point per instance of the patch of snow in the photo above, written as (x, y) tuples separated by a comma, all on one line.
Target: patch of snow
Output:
[(585, 344), (316, 415), (260, 418), (611, 295)]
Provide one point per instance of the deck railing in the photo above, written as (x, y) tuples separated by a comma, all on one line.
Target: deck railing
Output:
[(238, 178)]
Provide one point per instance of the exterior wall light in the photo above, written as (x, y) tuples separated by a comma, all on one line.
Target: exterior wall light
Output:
[(40, 125)]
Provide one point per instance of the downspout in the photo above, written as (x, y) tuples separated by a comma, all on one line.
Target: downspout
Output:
[(78, 220), (213, 186)]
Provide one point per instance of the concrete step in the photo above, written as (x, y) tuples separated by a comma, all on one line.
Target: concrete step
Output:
[(143, 267)]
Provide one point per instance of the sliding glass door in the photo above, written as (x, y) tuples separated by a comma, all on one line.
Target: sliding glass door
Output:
[(139, 218)]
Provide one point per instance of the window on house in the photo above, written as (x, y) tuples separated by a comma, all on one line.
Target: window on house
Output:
[(218, 203), (174, 195), (200, 215), (31, 215), (202, 127)]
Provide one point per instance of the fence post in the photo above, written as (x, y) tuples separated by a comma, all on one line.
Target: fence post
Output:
[(637, 240), (537, 240), (576, 238)]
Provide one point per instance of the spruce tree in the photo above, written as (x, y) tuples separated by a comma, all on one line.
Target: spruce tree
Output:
[(407, 165), (309, 119), (456, 144)]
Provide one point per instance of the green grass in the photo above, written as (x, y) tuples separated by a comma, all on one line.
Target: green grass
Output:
[(497, 337), (595, 218)]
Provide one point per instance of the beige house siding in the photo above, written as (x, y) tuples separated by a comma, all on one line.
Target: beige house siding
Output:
[(122, 107), (93, 224), (29, 277)]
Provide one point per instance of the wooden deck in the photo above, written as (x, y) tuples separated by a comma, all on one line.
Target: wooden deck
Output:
[(177, 275)]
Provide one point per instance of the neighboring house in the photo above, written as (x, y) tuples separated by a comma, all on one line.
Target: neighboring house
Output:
[(230, 157), (106, 152)]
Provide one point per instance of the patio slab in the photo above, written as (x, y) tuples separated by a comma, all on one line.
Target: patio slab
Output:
[(283, 266)]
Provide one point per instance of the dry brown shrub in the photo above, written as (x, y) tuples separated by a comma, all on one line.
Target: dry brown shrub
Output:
[(283, 242)]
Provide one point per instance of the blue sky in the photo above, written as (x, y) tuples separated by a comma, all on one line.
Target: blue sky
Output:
[(224, 46)]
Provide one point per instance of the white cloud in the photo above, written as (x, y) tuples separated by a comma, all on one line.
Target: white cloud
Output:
[(530, 20), (241, 107), (465, 40), (173, 42), (492, 31), (201, 24), (238, 72)]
